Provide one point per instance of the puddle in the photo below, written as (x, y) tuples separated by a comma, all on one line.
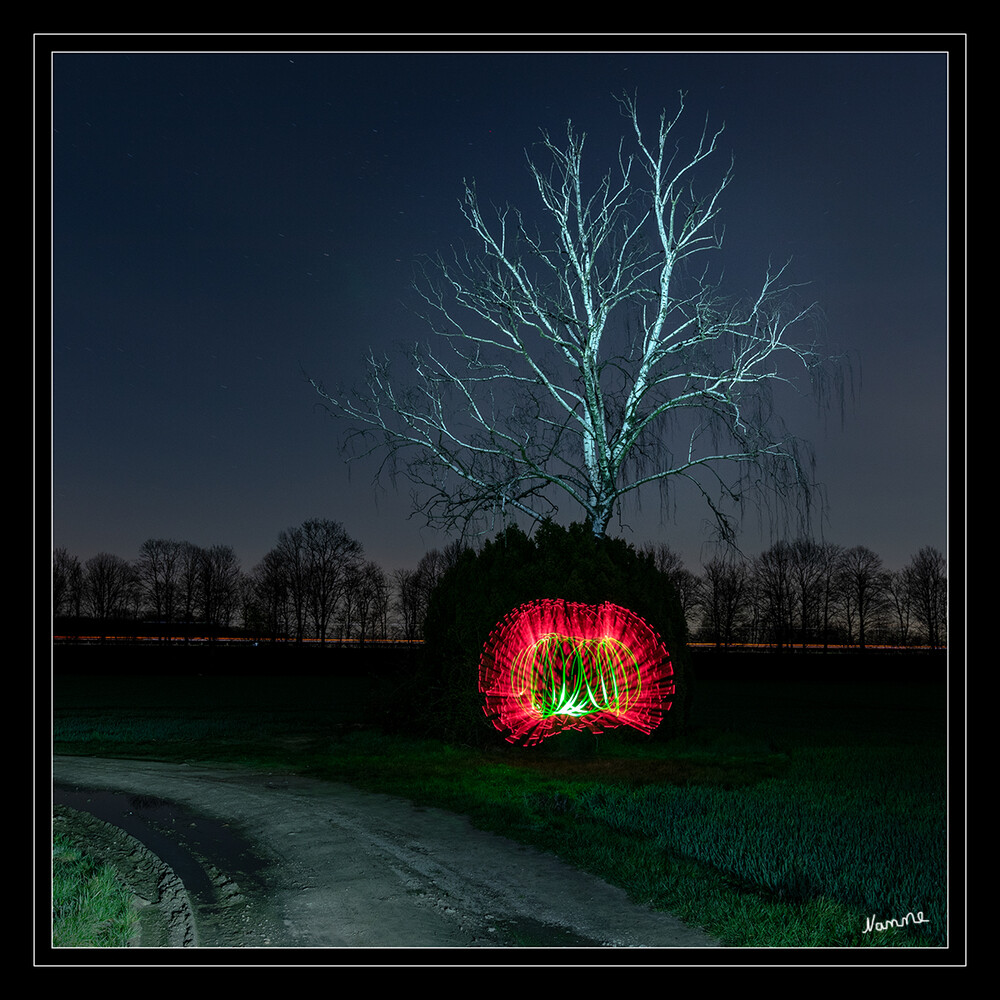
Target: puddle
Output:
[(184, 841)]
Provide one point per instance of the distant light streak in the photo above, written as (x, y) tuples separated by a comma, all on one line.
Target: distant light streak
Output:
[(554, 665)]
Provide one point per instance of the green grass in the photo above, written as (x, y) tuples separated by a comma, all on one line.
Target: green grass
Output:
[(786, 817), (90, 908)]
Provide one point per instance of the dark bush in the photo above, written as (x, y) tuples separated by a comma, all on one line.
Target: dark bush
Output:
[(442, 699)]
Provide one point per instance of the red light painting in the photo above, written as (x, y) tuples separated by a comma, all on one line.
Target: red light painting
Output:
[(553, 665)]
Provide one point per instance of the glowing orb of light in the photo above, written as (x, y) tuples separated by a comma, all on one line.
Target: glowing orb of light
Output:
[(552, 665)]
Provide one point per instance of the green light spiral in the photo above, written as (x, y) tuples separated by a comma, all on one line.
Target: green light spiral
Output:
[(561, 675)]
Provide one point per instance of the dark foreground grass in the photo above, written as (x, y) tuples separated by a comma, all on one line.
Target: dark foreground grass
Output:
[(788, 815), (90, 908)]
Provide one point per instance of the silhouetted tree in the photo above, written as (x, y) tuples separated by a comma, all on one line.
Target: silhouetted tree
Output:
[(725, 599), (159, 571), (414, 587), (409, 602), (290, 552), (268, 587), (67, 584), (366, 596), (686, 584), (109, 583), (928, 589), (332, 556), (190, 574), (862, 582), (318, 558), (830, 555), (377, 583), (898, 597), (220, 581), (773, 582), (810, 570)]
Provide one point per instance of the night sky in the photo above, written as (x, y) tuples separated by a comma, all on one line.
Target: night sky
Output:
[(226, 223)]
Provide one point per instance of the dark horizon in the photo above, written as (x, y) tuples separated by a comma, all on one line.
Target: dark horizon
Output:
[(716, 549)]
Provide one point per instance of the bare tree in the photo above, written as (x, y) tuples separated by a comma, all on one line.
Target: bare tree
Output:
[(862, 580), (585, 359), (409, 602), (67, 583), (268, 597), (365, 602), (897, 590), (220, 581), (725, 600), (811, 570), (413, 587), (830, 554), (686, 584), (191, 557), (109, 582), (290, 554), (774, 587), (432, 566), (158, 568), (318, 558), (377, 584), (928, 586), (332, 555)]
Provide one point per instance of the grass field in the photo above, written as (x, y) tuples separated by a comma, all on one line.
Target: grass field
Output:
[(790, 814)]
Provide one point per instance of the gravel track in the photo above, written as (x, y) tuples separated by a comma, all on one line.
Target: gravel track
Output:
[(218, 857)]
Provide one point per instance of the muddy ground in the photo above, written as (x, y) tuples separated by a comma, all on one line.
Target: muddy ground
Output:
[(218, 857)]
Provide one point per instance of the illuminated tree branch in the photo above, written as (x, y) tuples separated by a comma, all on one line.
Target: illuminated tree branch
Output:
[(567, 359)]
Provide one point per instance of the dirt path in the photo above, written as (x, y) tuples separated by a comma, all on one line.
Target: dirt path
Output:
[(228, 858)]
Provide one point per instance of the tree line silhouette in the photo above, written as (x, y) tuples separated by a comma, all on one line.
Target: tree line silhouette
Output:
[(805, 592), (315, 584)]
